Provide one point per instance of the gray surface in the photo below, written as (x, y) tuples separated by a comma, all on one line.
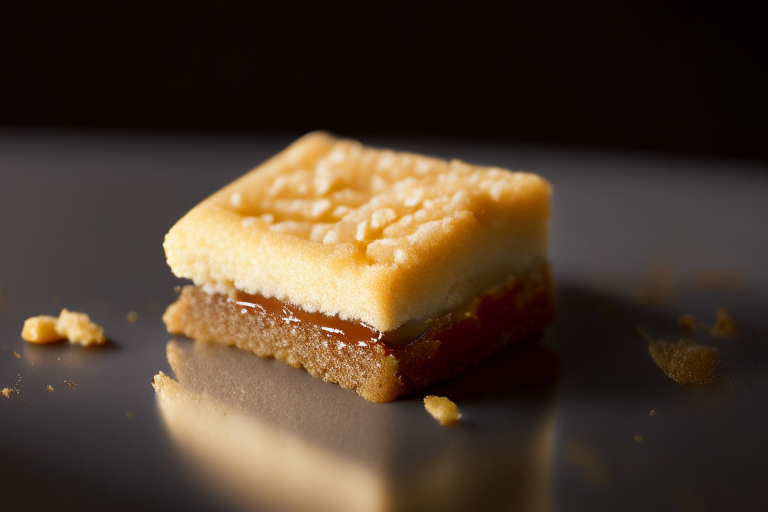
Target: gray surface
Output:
[(82, 217)]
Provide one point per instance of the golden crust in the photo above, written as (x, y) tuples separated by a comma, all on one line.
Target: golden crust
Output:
[(370, 235)]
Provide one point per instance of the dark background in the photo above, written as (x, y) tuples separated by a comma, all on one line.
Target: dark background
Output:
[(685, 79)]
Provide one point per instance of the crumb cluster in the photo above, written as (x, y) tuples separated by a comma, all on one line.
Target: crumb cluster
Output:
[(688, 323), (686, 362), (725, 326), (442, 409), (71, 325)]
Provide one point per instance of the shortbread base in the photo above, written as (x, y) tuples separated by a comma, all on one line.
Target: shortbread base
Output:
[(377, 371)]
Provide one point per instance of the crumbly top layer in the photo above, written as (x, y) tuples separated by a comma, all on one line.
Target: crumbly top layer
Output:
[(371, 235)]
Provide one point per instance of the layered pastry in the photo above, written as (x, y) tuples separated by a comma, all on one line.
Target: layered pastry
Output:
[(377, 270)]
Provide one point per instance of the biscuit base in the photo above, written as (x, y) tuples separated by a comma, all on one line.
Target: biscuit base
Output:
[(379, 372)]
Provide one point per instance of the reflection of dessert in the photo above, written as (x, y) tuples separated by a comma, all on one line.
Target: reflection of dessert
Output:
[(262, 434), (380, 271)]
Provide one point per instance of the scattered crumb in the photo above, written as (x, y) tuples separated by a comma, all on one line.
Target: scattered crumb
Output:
[(71, 325), (132, 317), (78, 328), (164, 385), (49, 388), (41, 329), (442, 409), (72, 384), (588, 462), (8, 392), (724, 327), (129, 415), (638, 438), (177, 288), (718, 280), (154, 305), (16, 355), (684, 361), (653, 412), (687, 322)]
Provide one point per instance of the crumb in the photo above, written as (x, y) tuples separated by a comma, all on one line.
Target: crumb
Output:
[(78, 328), (49, 388), (724, 327), (41, 329), (71, 325), (177, 289), (7, 392), (638, 438), (157, 380), (154, 305), (687, 322), (588, 462), (132, 317), (129, 415), (16, 355), (72, 384), (442, 409), (684, 361), (653, 412)]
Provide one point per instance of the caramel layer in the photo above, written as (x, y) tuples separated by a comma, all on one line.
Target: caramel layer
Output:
[(333, 326)]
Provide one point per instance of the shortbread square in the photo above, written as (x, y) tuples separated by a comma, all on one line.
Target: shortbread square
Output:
[(331, 247)]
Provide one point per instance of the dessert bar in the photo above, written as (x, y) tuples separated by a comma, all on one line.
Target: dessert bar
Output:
[(378, 270)]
